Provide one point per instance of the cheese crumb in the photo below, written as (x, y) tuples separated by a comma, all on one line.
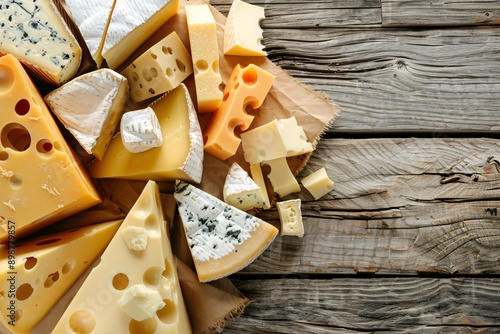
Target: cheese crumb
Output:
[(140, 302), (135, 237)]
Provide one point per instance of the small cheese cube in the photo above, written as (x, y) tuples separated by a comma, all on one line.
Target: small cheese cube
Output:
[(140, 302), (140, 130), (290, 215), (318, 183)]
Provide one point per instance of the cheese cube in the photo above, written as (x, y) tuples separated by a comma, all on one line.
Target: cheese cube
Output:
[(160, 69), (140, 130), (247, 86), (290, 214), (202, 30), (318, 183), (242, 33)]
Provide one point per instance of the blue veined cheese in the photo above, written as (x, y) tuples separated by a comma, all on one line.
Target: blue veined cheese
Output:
[(140, 130), (241, 191), (35, 33), (222, 238), (90, 107)]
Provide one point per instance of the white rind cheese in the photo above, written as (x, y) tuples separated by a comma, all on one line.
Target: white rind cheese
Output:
[(241, 191), (90, 107), (140, 130), (35, 33), (222, 238)]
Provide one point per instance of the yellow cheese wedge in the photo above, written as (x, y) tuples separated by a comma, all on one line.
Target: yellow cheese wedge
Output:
[(202, 30), (222, 238), (242, 32), (180, 156), (40, 179), (36, 273), (132, 289), (247, 86)]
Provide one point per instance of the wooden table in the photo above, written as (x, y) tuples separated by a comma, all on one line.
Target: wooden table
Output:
[(409, 240)]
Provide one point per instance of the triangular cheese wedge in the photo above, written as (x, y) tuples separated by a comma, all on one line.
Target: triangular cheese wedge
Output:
[(241, 191), (180, 156), (41, 181), (222, 238), (38, 272), (90, 107), (135, 287)]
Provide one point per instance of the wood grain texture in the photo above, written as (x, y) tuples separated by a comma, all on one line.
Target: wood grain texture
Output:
[(440, 13), (400, 206), (402, 305)]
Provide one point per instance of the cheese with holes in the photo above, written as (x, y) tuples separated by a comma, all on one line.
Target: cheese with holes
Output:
[(160, 69), (258, 177), (277, 139), (92, 18), (246, 86), (318, 183), (42, 269), (140, 130), (222, 238), (132, 291), (242, 32), (90, 107), (290, 214), (241, 191), (202, 30), (36, 34), (180, 156), (40, 179), (283, 181)]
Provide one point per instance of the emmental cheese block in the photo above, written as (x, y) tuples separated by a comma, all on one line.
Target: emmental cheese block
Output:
[(202, 30), (41, 180), (90, 107), (39, 271), (180, 156), (36, 34), (222, 238), (241, 191), (132, 289), (160, 69), (247, 86), (242, 32)]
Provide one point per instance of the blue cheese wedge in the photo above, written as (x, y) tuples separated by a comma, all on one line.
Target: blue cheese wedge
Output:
[(140, 130), (34, 32), (222, 238), (90, 107), (241, 191)]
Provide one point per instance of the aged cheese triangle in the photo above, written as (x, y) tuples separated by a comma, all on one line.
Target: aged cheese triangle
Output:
[(40, 271), (222, 238), (135, 287), (90, 107), (241, 191), (36, 34), (180, 156)]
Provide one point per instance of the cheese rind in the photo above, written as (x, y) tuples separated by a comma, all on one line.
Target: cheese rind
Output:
[(90, 107), (283, 181), (180, 156), (140, 130), (318, 183), (222, 238), (290, 214), (37, 35), (41, 180), (160, 69), (45, 269), (132, 289), (242, 32), (202, 30), (247, 86), (241, 191)]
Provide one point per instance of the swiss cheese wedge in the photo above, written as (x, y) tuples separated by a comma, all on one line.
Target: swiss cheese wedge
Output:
[(135, 287), (222, 238)]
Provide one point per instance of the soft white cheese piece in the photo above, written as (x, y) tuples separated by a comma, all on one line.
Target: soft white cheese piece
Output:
[(290, 214), (140, 302), (241, 191), (135, 237), (140, 130)]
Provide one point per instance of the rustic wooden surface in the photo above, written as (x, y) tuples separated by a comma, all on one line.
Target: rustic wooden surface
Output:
[(409, 240)]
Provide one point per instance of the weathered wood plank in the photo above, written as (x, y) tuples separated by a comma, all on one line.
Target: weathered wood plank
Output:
[(400, 206), (403, 305), (383, 80), (311, 14), (440, 13)]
